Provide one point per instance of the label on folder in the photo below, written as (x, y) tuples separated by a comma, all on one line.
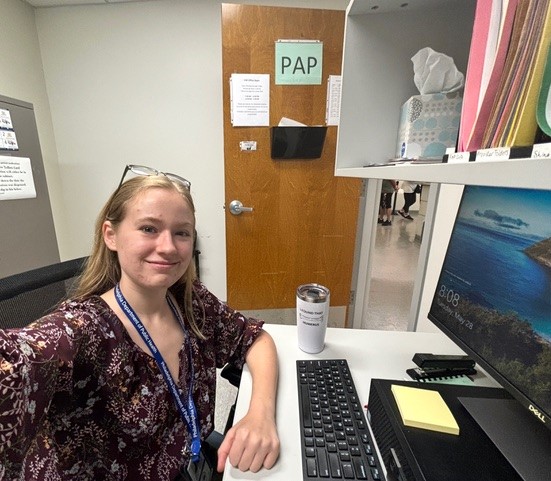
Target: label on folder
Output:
[(425, 409)]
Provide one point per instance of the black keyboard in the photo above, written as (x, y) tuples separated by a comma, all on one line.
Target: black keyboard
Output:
[(336, 442)]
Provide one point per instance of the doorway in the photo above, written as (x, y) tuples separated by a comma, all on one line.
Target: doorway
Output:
[(395, 258), (302, 228)]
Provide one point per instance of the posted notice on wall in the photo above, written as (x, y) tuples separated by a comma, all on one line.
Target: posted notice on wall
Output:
[(8, 140), (333, 108), (5, 119), (250, 100), (16, 178)]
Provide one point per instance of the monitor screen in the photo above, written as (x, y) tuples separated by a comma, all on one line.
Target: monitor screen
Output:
[(493, 297)]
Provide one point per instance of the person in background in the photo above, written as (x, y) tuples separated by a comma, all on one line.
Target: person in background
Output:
[(118, 382), (385, 206), (409, 198)]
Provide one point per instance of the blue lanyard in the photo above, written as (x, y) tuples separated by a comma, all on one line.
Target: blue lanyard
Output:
[(189, 412)]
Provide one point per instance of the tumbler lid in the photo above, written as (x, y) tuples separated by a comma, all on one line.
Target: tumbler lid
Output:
[(313, 293)]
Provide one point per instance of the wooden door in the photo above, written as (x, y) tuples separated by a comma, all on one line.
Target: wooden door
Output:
[(303, 225)]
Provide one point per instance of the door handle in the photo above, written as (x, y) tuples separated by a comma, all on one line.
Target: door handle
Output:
[(236, 207)]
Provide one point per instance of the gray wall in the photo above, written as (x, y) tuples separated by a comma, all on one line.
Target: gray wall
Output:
[(28, 234)]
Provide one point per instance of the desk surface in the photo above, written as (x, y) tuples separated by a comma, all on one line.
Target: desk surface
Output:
[(370, 354)]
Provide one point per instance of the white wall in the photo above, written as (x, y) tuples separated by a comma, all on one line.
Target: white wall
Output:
[(140, 83)]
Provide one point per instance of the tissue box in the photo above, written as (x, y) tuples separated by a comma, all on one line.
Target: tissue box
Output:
[(429, 125)]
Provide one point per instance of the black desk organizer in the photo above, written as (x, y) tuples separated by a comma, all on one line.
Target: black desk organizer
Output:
[(432, 456)]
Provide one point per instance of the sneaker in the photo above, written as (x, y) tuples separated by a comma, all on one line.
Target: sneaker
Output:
[(387, 222), (408, 217), (379, 221), (403, 214)]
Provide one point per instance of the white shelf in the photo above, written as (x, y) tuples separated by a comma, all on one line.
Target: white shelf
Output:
[(377, 71), (381, 36), (523, 173)]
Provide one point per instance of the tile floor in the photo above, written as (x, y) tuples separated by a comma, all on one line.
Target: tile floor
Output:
[(395, 260), (394, 264)]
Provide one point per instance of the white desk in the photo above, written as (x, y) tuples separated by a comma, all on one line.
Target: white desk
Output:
[(370, 354)]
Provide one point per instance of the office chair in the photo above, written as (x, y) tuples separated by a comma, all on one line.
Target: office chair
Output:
[(27, 296)]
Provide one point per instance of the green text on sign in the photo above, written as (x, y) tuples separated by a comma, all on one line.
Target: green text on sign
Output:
[(298, 62)]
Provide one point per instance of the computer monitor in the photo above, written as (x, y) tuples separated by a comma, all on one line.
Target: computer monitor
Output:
[(493, 298)]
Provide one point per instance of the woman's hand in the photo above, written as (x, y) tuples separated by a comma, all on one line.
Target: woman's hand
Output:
[(253, 442), (250, 445)]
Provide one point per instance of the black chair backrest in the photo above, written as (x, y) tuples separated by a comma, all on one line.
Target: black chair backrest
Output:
[(30, 295)]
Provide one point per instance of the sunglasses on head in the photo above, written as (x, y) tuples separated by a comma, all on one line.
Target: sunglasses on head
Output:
[(143, 170)]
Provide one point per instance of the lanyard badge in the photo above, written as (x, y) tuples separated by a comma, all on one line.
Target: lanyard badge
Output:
[(202, 470), (187, 409)]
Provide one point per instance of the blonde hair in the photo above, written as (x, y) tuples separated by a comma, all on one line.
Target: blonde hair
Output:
[(102, 270)]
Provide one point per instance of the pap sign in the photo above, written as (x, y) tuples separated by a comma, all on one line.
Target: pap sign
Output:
[(298, 62)]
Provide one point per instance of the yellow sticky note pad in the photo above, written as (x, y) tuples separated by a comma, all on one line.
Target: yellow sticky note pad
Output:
[(425, 409)]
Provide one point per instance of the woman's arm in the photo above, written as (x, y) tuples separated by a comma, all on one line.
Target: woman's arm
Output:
[(34, 362), (253, 443)]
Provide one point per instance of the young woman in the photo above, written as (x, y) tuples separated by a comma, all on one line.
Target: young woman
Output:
[(119, 382), (409, 198)]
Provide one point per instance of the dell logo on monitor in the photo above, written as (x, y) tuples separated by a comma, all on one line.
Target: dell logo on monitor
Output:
[(537, 413)]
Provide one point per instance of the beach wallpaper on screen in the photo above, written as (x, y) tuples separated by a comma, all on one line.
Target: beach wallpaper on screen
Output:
[(494, 291)]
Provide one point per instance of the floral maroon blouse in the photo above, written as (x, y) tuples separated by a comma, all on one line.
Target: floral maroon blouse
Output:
[(80, 401)]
